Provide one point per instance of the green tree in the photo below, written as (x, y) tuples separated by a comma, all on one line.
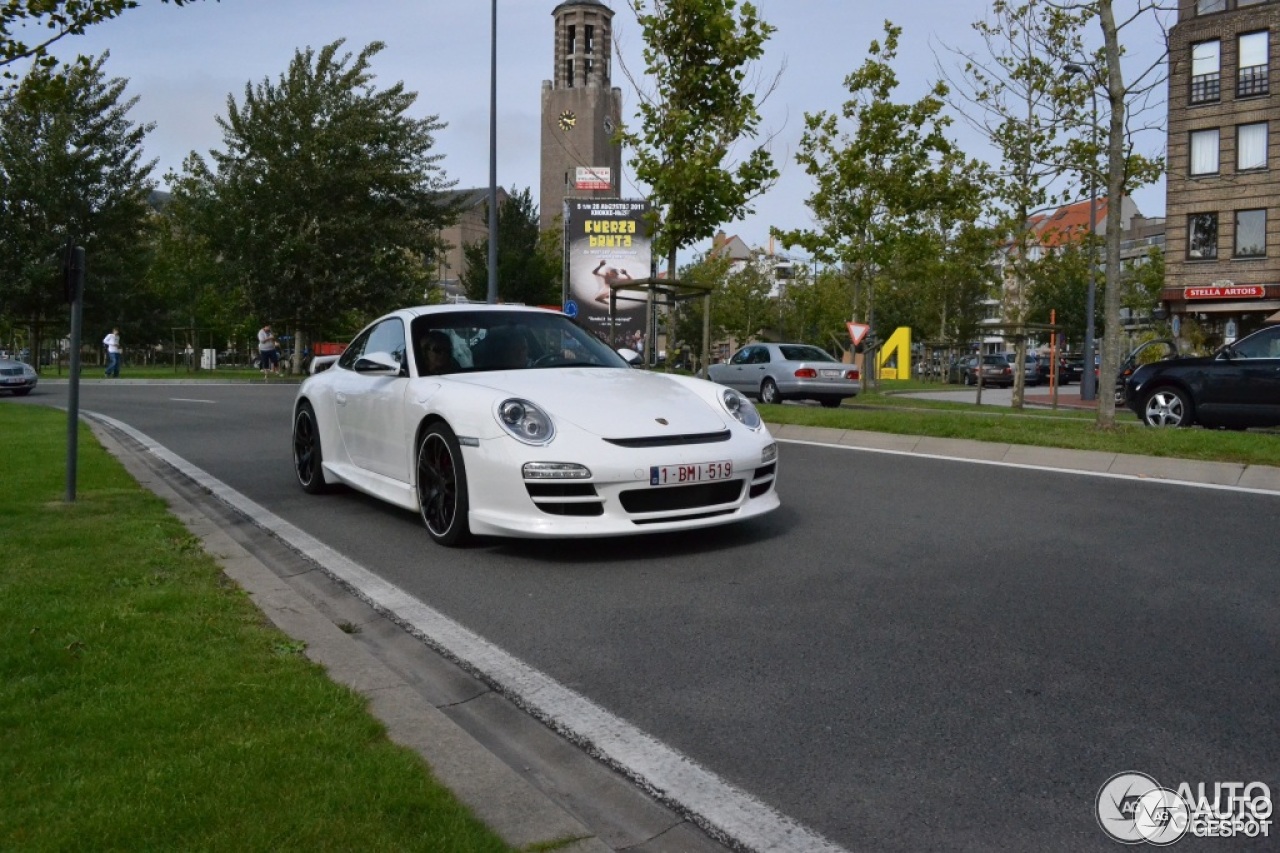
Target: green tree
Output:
[(527, 271), (71, 172), (1059, 284), (52, 20), (877, 186), (707, 271), (814, 308), (1018, 96), (326, 202), (742, 305), (698, 53)]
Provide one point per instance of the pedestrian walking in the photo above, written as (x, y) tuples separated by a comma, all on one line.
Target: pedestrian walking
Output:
[(112, 343)]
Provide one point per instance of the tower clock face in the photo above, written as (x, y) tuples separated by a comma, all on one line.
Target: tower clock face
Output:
[(608, 125), (568, 120)]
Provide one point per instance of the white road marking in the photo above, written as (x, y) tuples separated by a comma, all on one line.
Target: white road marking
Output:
[(1137, 478), (190, 400), (723, 810)]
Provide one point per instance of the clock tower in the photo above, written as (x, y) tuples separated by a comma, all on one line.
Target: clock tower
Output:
[(581, 111)]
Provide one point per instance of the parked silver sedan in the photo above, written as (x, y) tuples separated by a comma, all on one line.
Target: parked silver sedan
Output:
[(17, 377), (777, 372)]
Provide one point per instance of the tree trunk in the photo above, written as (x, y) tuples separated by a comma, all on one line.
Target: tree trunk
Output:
[(1110, 365)]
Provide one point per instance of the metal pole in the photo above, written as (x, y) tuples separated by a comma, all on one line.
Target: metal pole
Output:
[(1088, 380), (493, 157), (73, 386), (1089, 383)]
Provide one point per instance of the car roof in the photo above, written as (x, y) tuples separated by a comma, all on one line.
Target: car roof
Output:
[(464, 307)]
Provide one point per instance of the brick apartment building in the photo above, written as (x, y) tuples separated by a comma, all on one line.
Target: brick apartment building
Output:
[(1222, 251)]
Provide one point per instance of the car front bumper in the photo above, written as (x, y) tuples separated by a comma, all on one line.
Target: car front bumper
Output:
[(617, 499)]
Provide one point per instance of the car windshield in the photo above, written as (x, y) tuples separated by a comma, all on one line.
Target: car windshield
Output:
[(803, 352), (467, 341), (997, 360)]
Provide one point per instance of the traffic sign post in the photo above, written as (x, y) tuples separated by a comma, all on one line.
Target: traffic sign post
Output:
[(857, 331)]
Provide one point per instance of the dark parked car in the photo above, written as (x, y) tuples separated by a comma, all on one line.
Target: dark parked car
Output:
[(777, 372), (1070, 369), (1237, 387), (1146, 353), (17, 377), (995, 371)]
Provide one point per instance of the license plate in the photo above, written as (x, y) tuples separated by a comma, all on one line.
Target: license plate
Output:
[(13, 380), (830, 374), (702, 472)]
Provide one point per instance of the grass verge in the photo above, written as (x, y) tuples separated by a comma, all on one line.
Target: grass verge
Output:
[(885, 411), (145, 704)]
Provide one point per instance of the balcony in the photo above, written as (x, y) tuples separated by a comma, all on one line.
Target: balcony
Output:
[(1206, 88)]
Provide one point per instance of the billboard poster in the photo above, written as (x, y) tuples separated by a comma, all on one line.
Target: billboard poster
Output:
[(607, 240)]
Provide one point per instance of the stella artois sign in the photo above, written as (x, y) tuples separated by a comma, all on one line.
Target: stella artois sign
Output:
[(1219, 291)]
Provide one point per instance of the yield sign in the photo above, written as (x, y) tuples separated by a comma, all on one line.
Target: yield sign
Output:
[(857, 331)]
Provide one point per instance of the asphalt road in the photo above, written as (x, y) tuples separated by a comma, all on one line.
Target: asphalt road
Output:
[(911, 654)]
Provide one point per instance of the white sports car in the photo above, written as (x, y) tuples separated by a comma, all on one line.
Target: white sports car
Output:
[(508, 421)]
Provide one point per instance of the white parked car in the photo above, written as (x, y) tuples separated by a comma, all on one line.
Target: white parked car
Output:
[(512, 421)]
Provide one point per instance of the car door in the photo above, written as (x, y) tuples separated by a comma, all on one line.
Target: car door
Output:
[(1249, 386), (370, 407), (742, 371)]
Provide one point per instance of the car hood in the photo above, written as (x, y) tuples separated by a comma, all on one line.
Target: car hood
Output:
[(607, 402)]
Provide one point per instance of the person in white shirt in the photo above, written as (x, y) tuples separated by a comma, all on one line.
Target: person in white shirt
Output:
[(112, 343), (268, 354)]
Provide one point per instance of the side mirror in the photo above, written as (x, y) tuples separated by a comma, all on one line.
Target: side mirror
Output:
[(378, 364)]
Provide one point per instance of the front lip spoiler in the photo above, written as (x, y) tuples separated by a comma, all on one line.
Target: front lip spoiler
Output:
[(672, 440)]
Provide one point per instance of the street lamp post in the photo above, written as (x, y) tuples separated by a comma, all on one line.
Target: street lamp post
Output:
[(493, 157), (1089, 380)]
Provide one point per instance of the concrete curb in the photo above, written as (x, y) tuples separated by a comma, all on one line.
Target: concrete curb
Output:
[(518, 812)]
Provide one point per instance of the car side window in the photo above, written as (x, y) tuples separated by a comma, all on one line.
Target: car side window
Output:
[(353, 352), (388, 336), (760, 356), (741, 356), (1264, 344)]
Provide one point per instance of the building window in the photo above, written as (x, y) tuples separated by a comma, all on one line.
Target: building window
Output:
[(568, 72), (1204, 152), (1206, 68), (1251, 233), (1205, 7), (588, 67), (1253, 75), (591, 38), (1251, 146), (572, 46), (1202, 236)]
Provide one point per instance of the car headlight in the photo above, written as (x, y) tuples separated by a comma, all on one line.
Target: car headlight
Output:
[(741, 408), (525, 421)]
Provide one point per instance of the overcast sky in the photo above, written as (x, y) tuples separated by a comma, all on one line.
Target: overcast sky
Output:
[(184, 62)]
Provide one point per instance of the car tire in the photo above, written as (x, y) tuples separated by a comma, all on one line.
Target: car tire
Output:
[(769, 392), (308, 459), (443, 500), (830, 402), (1167, 407)]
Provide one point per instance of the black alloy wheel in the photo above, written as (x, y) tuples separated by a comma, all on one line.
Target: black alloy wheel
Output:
[(307, 456), (442, 486)]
